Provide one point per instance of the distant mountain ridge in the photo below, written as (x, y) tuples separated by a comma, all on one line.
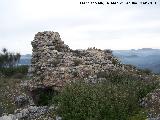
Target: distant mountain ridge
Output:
[(25, 59), (142, 58)]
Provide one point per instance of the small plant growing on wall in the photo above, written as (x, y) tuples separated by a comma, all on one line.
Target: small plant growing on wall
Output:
[(115, 61), (77, 61), (55, 62)]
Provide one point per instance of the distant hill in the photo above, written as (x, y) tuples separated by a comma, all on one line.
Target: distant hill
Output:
[(142, 58), (25, 59)]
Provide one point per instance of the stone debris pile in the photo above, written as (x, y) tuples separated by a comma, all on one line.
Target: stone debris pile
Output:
[(31, 113), (54, 63)]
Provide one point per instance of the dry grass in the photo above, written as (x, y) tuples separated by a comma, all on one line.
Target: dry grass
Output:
[(9, 89)]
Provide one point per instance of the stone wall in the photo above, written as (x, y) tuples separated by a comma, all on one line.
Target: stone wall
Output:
[(54, 63)]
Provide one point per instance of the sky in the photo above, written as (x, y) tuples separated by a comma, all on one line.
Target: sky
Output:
[(116, 27)]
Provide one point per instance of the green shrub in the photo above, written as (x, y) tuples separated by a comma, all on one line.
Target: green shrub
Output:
[(11, 71), (144, 71), (115, 99), (115, 61), (18, 76), (108, 51), (147, 71), (77, 61), (139, 116)]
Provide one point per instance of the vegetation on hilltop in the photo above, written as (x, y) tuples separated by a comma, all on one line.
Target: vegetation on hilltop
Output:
[(9, 65), (119, 97), (9, 59)]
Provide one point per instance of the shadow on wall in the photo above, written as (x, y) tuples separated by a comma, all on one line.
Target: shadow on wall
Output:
[(43, 96)]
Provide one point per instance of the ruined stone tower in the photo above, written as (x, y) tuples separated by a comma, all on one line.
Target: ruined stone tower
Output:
[(54, 63)]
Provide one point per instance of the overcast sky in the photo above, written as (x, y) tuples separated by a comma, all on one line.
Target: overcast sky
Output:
[(80, 26)]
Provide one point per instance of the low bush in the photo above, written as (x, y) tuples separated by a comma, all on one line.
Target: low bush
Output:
[(12, 71), (115, 99), (18, 76), (77, 61), (144, 71), (108, 51), (115, 61), (147, 71)]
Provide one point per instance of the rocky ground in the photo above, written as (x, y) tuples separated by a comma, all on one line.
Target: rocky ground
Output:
[(16, 104)]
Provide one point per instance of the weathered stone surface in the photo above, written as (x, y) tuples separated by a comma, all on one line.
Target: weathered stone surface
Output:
[(30, 113), (152, 103), (54, 63), (21, 100), (9, 117)]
